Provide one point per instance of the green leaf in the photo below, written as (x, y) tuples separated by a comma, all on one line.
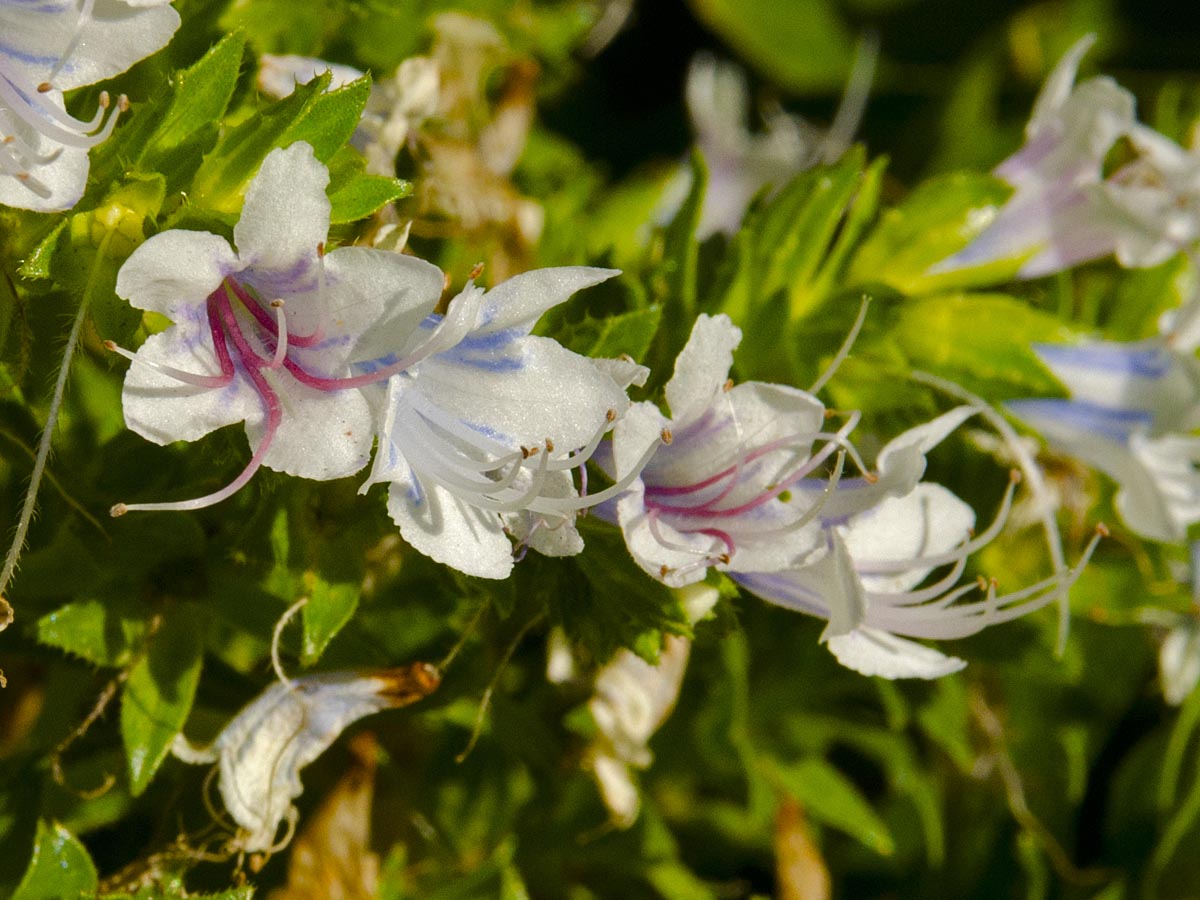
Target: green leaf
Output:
[(832, 799), (158, 695), (981, 340), (628, 333), (225, 174), (936, 220), (618, 607), (103, 634), (329, 608), (364, 195), (201, 95), (60, 868), (329, 120)]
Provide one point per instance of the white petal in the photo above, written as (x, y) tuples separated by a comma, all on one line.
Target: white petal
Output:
[(1142, 375), (264, 747), (116, 36), (927, 521), (874, 652), (285, 218), (1058, 86), (372, 303), (636, 430), (449, 531), (673, 557), (1179, 662), (174, 272), (162, 409), (322, 435), (518, 302), (702, 367), (525, 390), (51, 185)]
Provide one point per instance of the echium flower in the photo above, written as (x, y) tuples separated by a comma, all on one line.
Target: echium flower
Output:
[(268, 333), (51, 46), (882, 543), (1130, 414), (743, 163), (1066, 208), (488, 434), (723, 492), (261, 751)]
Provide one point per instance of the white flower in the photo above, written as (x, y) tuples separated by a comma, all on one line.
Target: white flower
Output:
[(1064, 209), (1131, 408), (723, 492), (395, 109), (51, 46), (882, 542), (484, 428), (267, 334), (262, 750), (742, 163)]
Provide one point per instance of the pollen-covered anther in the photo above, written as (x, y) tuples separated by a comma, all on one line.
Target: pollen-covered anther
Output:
[(549, 445), (664, 571), (728, 385), (1015, 476), (1102, 530), (45, 87), (724, 558), (117, 510), (667, 437), (610, 416), (321, 249), (870, 477), (476, 271)]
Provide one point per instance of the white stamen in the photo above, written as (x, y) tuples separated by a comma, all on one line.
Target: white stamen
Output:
[(204, 381), (844, 350), (281, 339)]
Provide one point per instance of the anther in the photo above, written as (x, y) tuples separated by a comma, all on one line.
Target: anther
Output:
[(476, 271), (611, 415), (45, 87), (870, 477), (549, 445), (664, 571), (321, 249), (728, 385), (667, 437), (526, 453), (1014, 476), (1102, 530), (117, 510), (724, 559)]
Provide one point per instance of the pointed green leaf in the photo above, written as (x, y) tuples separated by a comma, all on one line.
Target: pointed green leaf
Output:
[(832, 799), (628, 333), (94, 631), (200, 96), (159, 692), (60, 868), (936, 220), (329, 608), (364, 195), (330, 119)]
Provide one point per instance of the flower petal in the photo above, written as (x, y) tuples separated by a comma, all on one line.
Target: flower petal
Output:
[(874, 652), (174, 272), (529, 390), (448, 530), (518, 302), (284, 220), (322, 435), (162, 409), (702, 367)]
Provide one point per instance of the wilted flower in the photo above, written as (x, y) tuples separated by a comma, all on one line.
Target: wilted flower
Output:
[(261, 751), (54, 46)]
